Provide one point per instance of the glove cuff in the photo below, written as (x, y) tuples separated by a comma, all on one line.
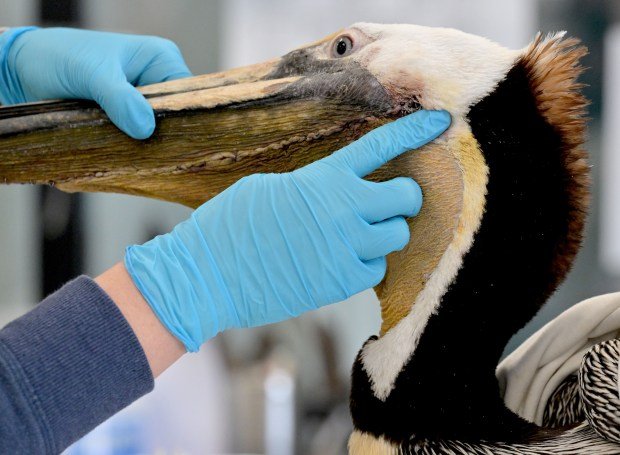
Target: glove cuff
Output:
[(11, 91), (180, 281)]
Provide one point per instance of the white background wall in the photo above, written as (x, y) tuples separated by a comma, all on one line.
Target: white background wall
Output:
[(256, 30), (610, 200), (18, 251)]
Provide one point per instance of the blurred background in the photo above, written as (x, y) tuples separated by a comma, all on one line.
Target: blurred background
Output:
[(281, 389)]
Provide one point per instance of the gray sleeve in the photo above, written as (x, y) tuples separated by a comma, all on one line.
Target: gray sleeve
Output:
[(65, 367)]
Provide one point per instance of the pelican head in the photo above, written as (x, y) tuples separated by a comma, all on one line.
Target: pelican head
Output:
[(505, 195)]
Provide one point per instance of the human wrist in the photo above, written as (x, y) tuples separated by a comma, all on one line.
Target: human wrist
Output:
[(161, 348), (11, 91)]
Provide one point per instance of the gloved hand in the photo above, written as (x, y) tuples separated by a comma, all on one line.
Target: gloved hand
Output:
[(38, 64), (273, 246)]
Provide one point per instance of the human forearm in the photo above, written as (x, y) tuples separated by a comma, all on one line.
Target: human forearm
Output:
[(162, 349)]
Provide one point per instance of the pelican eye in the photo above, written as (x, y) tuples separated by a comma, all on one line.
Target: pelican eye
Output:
[(342, 46)]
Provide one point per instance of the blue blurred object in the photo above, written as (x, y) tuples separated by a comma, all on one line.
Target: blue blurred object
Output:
[(273, 246), (188, 412), (38, 64), (124, 434)]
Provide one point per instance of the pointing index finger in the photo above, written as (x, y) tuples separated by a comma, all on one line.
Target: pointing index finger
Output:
[(385, 143)]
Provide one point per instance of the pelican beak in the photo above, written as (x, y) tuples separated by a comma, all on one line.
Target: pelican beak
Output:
[(211, 130)]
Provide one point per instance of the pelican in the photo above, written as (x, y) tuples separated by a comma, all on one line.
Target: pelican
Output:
[(506, 193)]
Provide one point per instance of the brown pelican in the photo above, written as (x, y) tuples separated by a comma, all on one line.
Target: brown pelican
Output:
[(506, 190)]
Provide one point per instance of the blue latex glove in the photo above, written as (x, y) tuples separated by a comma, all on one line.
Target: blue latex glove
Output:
[(38, 64), (273, 246)]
